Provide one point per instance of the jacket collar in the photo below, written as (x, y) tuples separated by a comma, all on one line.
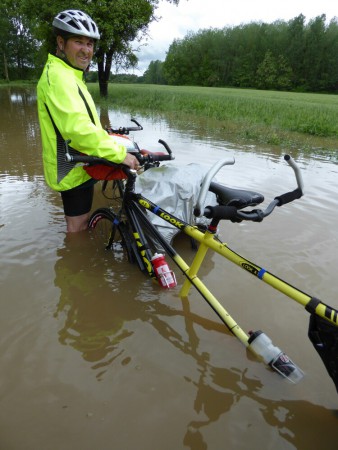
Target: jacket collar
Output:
[(77, 72)]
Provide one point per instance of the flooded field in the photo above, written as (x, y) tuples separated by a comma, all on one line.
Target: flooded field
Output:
[(93, 355)]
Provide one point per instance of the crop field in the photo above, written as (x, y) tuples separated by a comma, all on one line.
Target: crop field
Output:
[(267, 116)]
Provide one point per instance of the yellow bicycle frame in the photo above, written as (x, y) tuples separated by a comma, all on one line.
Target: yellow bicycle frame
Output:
[(207, 240)]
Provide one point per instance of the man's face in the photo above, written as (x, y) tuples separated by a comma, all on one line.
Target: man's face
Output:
[(79, 51)]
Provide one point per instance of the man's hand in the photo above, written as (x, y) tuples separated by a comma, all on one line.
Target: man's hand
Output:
[(131, 161)]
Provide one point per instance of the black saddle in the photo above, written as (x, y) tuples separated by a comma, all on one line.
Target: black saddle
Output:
[(235, 197)]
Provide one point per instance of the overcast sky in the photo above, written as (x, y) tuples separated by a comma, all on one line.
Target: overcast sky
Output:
[(193, 15)]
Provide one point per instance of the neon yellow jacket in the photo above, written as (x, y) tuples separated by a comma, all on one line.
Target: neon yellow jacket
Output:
[(67, 111)]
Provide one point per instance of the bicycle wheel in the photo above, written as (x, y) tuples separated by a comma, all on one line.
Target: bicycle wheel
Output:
[(112, 234)]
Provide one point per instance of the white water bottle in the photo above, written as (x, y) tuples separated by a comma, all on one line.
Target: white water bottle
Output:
[(262, 345), (165, 276)]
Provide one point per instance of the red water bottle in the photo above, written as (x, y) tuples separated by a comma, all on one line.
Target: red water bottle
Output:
[(165, 276)]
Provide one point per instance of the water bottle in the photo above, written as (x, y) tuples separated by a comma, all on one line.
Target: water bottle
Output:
[(165, 276), (262, 345)]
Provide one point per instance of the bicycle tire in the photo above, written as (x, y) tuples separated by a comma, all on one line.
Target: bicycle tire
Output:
[(111, 233)]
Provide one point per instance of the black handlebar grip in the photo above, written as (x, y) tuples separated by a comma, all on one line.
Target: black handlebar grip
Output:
[(91, 160), (134, 128), (289, 197), (155, 157), (221, 212), (152, 157), (80, 158)]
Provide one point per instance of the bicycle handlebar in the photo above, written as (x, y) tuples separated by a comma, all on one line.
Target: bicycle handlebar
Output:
[(142, 158), (220, 212), (153, 157), (166, 146), (125, 130)]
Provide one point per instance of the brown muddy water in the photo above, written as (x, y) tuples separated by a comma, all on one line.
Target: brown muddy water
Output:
[(95, 356)]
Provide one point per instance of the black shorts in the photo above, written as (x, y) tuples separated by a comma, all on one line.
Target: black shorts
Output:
[(78, 201)]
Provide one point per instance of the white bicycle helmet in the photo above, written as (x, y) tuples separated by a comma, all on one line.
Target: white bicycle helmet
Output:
[(76, 22)]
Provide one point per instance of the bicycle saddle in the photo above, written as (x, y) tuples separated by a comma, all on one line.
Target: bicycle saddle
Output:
[(235, 197)]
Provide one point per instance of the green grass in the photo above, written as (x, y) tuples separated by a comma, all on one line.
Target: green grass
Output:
[(281, 119), (277, 118)]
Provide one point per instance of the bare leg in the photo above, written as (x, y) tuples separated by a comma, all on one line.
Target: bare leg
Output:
[(77, 223)]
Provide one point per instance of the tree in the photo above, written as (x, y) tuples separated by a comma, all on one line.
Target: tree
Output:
[(295, 48), (267, 72), (122, 25), (330, 69), (284, 78), (5, 38), (176, 69), (154, 73), (17, 45), (315, 52), (273, 73)]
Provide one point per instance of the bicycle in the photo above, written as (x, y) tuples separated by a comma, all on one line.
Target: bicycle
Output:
[(128, 226)]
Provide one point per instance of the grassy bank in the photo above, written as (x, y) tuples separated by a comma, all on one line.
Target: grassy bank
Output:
[(283, 119), (277, 118)]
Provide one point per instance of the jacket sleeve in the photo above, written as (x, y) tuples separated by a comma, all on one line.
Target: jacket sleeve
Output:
[(71, 117)]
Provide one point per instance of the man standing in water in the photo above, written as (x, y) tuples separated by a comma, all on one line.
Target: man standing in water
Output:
[(67, 112)]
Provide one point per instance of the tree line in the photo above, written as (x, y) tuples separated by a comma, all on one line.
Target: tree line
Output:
[(284, 55)]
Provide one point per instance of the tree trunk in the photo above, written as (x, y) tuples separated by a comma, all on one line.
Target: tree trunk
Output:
[(104, 63), (6, 68), (104, 116), (103, 86)]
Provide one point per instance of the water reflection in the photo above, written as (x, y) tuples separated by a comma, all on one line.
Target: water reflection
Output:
[(219, 392), (19, 131), (99, 315)]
